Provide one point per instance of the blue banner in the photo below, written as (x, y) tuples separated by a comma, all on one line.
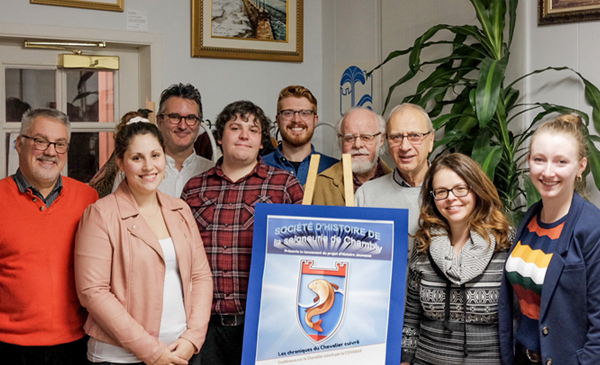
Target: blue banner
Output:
[(326, 285)]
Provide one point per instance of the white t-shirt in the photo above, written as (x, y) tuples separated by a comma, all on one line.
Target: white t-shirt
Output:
[(173, 321)]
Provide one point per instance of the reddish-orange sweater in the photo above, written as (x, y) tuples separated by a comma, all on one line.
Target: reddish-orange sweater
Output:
[(38, 302)]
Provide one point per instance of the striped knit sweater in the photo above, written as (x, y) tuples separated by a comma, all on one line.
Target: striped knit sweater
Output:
[(428, 338), (526, 270)]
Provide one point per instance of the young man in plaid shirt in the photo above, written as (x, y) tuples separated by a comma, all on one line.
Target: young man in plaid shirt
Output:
[(222, 200)]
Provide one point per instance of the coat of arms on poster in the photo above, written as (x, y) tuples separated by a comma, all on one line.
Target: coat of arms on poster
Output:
[(326, 285), (270, 30), (321, 293)]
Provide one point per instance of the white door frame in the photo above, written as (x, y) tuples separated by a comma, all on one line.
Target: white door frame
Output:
[(147, 45)]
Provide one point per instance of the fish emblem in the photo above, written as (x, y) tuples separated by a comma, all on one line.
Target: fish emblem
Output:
[(323, 301)]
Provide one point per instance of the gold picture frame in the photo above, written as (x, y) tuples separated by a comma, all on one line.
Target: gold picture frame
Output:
[(111, 5), (259, 31), (567, 11)]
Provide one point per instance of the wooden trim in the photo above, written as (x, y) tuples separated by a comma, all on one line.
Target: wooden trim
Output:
[(117, 5)]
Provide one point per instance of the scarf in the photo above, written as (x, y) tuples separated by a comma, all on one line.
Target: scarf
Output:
[(470, 262)]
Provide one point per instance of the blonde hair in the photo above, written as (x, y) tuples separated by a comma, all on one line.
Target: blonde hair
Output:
[(487, 214), (570, 125)]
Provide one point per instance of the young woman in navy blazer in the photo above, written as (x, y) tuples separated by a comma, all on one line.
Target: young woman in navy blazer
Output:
[(551, 283)]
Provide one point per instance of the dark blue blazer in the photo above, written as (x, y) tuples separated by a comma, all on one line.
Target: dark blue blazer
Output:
[(569, 325)]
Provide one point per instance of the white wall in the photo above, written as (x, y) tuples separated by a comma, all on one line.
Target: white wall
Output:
[(220, 81), (337, 34), (351, 37), (404, 21), (364, 32)]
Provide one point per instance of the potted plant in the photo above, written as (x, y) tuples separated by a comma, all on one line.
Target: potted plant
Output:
[(468, 95)]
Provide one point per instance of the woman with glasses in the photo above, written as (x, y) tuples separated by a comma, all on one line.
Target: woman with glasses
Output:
[(140, 266), (553, 270), (451, 314)]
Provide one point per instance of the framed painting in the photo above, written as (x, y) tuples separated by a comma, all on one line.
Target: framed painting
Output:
[(112, 5), (567, 11), (269, 30)]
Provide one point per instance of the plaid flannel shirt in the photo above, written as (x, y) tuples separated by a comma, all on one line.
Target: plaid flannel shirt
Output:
[(224, 211)]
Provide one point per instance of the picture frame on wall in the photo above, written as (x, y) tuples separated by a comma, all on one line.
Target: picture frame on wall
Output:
[(269, 30), (111, 5), (567, 11)]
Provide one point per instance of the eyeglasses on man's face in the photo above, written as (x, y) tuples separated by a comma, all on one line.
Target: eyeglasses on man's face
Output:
[(42, 144), (459, 191), (304, 114), (351, 138), (414, 138), (174, 118)]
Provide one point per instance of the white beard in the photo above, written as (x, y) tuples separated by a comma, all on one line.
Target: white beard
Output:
[(362, 164)]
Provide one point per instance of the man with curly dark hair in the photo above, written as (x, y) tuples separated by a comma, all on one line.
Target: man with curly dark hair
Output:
[(222, 200)]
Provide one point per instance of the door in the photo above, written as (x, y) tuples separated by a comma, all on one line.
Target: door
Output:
[(93, 99)]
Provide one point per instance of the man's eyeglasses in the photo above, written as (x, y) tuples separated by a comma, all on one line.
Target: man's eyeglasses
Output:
[(459, 191), (351, 138), (414, 138), (41, 144), (174, 118), (304, 114)]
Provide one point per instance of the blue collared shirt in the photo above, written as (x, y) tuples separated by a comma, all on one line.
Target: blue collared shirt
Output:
[(276, 159)]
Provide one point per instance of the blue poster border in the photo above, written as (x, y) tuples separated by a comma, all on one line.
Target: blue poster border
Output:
[(398, 280)]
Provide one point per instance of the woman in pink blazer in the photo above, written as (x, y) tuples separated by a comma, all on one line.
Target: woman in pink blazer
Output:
[(140, 266)]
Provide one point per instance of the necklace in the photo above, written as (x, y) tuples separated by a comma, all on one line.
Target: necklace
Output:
[(151, 215)]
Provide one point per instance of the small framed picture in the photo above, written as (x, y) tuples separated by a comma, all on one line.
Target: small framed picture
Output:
[(567, 11), (270, 30)]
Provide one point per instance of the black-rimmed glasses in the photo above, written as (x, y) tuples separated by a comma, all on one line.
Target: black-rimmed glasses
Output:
[(41, 144), (174, 118), (459, 191)]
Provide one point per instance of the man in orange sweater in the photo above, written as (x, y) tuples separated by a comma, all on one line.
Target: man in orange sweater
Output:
[(41, 320)]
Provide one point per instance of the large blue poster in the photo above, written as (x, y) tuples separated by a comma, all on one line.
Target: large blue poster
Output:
[(326, 285)]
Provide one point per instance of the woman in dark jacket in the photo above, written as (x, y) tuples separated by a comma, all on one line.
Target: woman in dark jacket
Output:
[(551, 283)]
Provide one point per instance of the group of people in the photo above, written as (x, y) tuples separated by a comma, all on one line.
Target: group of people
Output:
[(156, 272)]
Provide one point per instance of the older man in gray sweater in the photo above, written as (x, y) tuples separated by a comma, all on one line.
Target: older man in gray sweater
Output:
[(410, 136)]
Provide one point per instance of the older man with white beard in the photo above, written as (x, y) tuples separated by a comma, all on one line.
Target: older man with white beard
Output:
[(360, 133)]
